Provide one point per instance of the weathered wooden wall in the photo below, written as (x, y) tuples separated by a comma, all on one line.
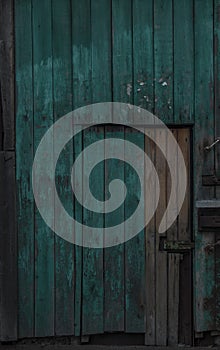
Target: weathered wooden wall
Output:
[(8, 234), (162, 55)]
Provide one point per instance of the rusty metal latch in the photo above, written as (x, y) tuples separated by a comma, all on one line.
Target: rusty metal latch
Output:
[(207, 148), (176, 246)]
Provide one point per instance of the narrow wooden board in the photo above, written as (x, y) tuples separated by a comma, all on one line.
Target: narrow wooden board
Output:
[(217, 86), (161, 257), (43, 119), (185, 234), (183, 61), (204, 164), (24, 160), (62, 102), (143, 54), (173, 259), (150, 336), (114, 256), (93, 290), (173, 298), (7, 74), (163, 59), (8, 248), (82, 95), (135, 273)]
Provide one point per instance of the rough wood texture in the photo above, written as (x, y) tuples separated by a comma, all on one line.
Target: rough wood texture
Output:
[(8, 248), (7, 135), (63, 103), (43, 119), (204, 165), (8, 234), (24, 160)]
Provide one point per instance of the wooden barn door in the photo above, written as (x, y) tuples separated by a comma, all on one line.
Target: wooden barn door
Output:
[(140, 287)]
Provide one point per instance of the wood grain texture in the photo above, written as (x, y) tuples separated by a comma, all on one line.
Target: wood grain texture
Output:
[(161, 257), (183, 61), (7, 137), (135, 248), (150, 336), (8, 217), (43, 119), (8, 248), (114, 256), (82, 95), (62, 104), (24, 159), (163, 59), (204, 164), (93, 289)]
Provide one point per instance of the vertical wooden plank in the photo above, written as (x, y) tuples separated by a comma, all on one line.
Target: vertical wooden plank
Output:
[(101, 51), (8, 249), (150, 337), (183, 113), (62, 94), (122, 92), (161, 257), (24, 160), (217, 84), (43, 119), (163, 50), (122, 51), (185, 234), (93, 299), (135, 248), (8, 232), (92, 306), (173, 298), (114, 256), (217, 133), (82, 95), (204, 164), (7, 74), (183, 57), (143, 55), (143, 97), (173, 259)]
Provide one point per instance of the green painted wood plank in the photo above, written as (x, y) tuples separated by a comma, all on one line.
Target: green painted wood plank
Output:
[(24, 146), (93, 291), (62, 97), (122, 92), (101, 51), (43, 119), (114, 257), (150, 335), (217, 84), (143, 93), (217, 132), (163, 59), (101, 92), (81, 58), (135, 248), (122, 51), (163, 67), (204, 162), (143, 54), (183, 59)]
